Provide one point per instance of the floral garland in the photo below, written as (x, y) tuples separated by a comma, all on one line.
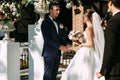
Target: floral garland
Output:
[(41, 6), (70, 3), (10, 10)]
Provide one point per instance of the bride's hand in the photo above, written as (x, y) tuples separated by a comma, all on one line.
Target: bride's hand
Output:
[(77, 41), (98, 75), (69, 47)]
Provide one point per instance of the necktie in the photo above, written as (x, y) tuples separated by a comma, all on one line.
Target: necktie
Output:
[(54, 20)]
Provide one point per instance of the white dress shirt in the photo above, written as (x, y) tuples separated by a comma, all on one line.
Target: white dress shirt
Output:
[(55, 23)]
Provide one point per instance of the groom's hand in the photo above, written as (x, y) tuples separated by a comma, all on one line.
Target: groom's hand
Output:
[(104, 24), (63, 48), (69, 48), (98, 75)]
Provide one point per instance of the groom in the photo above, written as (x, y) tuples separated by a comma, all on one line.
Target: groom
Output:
[(53, 44), (111, 60)]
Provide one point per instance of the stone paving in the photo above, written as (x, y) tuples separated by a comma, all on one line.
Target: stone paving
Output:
[(25, 75), (60, 73)]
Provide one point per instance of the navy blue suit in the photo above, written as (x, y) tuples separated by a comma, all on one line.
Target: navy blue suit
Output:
[(51, 52), (1, 35)]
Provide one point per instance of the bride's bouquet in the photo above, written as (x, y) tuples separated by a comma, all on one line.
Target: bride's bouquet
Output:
[(75, 36)]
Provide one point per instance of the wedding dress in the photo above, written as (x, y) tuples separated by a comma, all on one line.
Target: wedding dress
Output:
[(87, 61), (35, 48)]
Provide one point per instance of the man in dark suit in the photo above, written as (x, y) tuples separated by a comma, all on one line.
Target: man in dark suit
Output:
[(111, 60), (53, 44), (1, 35), (1, 23)]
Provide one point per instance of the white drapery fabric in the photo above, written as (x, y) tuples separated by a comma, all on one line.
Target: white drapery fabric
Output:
[(99, 38), (35, 48)]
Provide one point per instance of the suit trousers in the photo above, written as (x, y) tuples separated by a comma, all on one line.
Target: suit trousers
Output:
[(114, 78), (51, 67)]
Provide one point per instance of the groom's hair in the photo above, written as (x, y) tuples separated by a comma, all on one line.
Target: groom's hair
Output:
[(54, 3), (116, 3)]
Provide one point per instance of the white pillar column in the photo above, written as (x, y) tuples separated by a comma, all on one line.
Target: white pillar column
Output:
[(9, 60)]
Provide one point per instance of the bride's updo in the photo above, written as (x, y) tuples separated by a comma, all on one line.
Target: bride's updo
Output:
[(89, 13)]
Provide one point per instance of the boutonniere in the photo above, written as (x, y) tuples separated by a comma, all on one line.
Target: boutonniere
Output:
[(61, 26)]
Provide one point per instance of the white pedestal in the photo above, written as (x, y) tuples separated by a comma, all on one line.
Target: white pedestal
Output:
[(36, 66), (9, 61)]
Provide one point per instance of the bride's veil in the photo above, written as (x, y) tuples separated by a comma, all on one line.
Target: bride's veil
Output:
[(98, 40)]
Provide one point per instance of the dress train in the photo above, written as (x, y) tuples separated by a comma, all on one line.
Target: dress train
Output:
[(36, 47), (84, 64)]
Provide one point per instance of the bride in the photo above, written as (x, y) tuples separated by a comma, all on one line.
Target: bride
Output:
[(88, 59)]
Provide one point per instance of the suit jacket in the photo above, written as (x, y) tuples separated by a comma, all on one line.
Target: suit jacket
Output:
[(111, 59), (52, 39)]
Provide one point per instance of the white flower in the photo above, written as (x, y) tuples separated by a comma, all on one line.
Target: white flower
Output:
[(41, 6), (10, 10), (61, 26), (69, 5)]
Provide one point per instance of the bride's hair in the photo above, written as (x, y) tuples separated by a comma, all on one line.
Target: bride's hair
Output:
[(89, 13)]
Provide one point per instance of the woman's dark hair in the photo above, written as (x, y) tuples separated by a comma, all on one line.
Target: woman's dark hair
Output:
[(89, 13), (54, 3), (116, 3)]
